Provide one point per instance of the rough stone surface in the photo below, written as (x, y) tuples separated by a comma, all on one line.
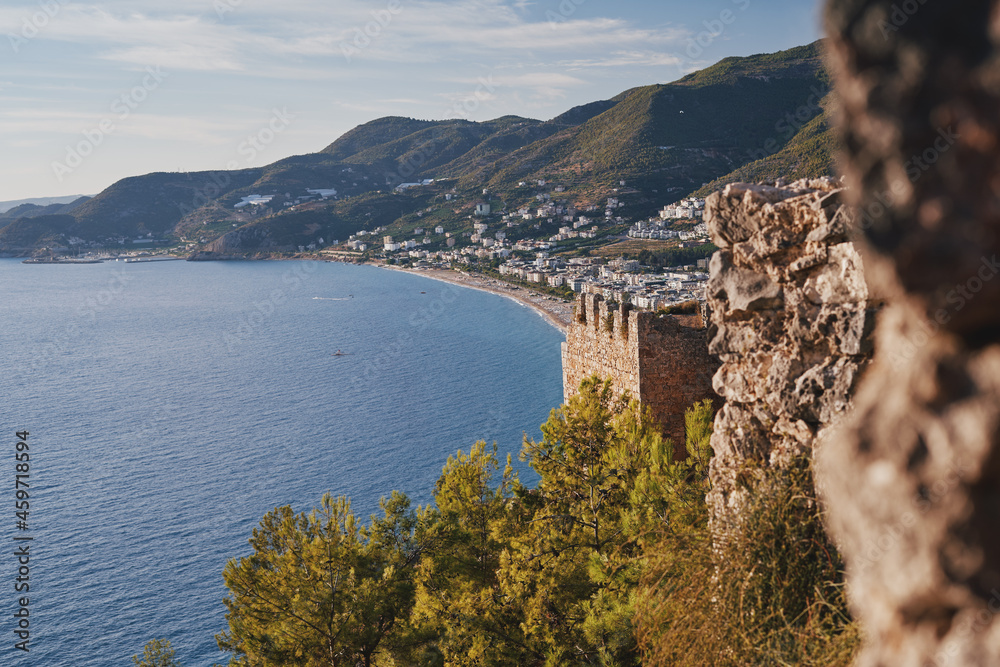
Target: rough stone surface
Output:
[(912, 478), (791, 323), (662, 360)]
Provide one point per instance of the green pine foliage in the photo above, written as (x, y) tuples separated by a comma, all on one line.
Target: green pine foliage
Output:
[(810, 154), (608, 560), (321, 588), (156, 653)]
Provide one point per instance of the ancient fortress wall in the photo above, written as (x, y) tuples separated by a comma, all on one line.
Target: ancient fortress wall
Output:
[(662, 360)]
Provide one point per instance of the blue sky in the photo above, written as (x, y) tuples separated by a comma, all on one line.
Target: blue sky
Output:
[(91, 92)]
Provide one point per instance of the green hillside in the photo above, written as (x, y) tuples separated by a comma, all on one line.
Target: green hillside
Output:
[(808, 155), (37, 232), (675, 137), (755, 118)]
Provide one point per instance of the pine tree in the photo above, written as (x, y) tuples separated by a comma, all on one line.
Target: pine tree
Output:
[(459, 600), (320, 588), (156, 653)]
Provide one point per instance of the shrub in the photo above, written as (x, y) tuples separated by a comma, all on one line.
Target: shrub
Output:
[(771, 594)]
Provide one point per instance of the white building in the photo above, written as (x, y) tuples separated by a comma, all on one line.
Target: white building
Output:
[(254, 200)]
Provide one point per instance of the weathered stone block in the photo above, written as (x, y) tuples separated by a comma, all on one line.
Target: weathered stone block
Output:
[(741, 289), (791, 323)]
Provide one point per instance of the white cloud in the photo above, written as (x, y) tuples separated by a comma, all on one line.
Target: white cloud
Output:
[(224, 69), (191, 37), (69, 125), (629, 59), (539, 86)]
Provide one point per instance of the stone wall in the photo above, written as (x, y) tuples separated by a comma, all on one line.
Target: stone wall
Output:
[(912, 478), (662, 360), (791, 322)]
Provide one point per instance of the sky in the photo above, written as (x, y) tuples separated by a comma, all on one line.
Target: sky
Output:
[(92, 92)]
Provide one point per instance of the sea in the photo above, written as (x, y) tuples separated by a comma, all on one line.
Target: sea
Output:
[(169, 405)]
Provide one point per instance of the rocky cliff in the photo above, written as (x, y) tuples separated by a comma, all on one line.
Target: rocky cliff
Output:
[(252, 238), (791, 322)]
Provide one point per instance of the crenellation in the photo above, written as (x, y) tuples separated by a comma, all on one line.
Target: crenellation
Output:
[(662, 360)]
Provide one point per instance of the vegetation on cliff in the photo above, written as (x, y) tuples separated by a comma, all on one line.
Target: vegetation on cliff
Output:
[(771, 594), (603, 562)]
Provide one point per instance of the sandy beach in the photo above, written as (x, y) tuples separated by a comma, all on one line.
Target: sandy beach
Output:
[(557, 312)]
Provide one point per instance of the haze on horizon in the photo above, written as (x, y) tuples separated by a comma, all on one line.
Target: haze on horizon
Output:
[(92, 92)]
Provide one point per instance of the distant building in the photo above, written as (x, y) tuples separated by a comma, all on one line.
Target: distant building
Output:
[(254, 200), (483, 209)]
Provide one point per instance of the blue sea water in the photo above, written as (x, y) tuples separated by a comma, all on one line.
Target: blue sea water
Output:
[(170, 405)]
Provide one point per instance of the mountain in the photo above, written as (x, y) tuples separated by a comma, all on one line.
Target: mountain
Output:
[(40, 202), (32, 210), (43, 231), (754, 118)]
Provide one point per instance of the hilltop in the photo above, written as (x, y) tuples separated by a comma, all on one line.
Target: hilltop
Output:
[(40, 202)]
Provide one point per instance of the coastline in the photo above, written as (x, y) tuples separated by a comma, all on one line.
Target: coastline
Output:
[(557, 313)]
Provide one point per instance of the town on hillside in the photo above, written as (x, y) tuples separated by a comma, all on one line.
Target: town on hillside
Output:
[(515, 246), (538, 236)]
